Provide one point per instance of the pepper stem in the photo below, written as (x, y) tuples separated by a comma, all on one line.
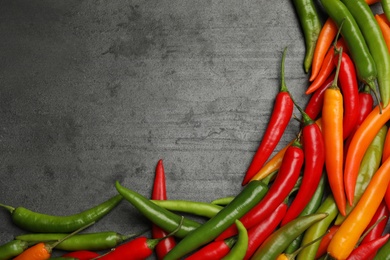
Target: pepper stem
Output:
[(369, 229), (296, 252), (7, 207), (283, 87), (336, 76), (152, 243)]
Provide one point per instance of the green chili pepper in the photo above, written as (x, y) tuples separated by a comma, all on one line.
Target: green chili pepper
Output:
[(38, 222), (364, 62), (373, 36), (222, 201), (163, 218), (319, 228), (90, 241), (12, 249), (369, 165), (310, 208), (384, 252), (278, 241), (311, 27), (241, 245), (386, 8), (252, 193), (192, 207)]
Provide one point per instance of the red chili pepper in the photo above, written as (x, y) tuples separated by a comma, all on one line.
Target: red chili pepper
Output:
[(349, 87), (213, 250), (322, 248), (159, 192), (258, 233), (314, 152), (365, 251), (281, 115), (314, 106), (284, 182), (82, 255), (377, 224)]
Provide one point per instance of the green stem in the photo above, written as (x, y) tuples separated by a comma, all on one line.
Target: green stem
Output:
[(283, 87), (7, 207)]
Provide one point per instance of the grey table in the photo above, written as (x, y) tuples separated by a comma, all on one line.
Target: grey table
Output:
[(98, 91)]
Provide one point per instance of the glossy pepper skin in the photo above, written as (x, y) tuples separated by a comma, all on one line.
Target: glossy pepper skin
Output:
[(213, 250), (284, 182), (366, 250), (239, 249)]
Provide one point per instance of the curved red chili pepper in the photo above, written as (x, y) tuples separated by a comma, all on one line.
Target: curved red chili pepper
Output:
[(284, 182), (213, 250), (314, 152), (381, 215), (258, 233), (159, 192), (82, 255), (365, 251), (314, 106), (281, 115), (322, 248), (349, 87)]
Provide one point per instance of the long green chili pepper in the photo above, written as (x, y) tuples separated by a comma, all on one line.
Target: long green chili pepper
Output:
[(364, 62), (369, 165), (89, 241), (318, 229), (197, 208), (278, 241), (163, 218), (252, 193), (13, 248), (311, 27), (372, 33), (222, 201), (38, 222), (239, 249)]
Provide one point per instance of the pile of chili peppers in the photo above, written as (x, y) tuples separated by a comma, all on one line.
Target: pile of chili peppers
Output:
[(325, 195)]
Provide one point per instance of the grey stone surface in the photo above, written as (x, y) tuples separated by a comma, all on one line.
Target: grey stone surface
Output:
[(98, 91)]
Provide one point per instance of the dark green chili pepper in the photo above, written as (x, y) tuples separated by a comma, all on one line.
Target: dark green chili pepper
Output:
[(222, 201), (318, 229), (278, 241), (163, 218), (197, 208), (13, 248), (369, 165), (364, 62), (310, 208), (372, 33), (240, 246), (90, 241), (252, 193), (38, 222), (311, 27)]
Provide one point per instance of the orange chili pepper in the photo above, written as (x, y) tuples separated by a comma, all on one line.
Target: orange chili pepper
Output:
[(332, 129), (385, 28), (385, 155), (325, 39), (358, 146), (351, 229)]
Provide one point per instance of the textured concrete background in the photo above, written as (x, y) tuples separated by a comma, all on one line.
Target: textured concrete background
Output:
[(98, 91)]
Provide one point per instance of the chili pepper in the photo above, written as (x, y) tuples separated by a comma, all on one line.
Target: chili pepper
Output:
[(13, 248), (318, 229), (139, 248), (159, 192), (358, 49), (42, 251), (368, 166), (332, 130), (197, 208), (213, 250), (386, 8), (386, 147), (238, 251), (81, 255), (358, 219), (311, 27), (90, 241), (385, 28), (258, 233), (314, 106), (242, 203), (372, 34), (325, 38), (364, 251), (279, 120), (325, 241), (384, 252), (359, 144), (222, 201), (292, 256), (66, 258), (378, 223), (278, 241), (314, 153), (284, 182), (38, 222)]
